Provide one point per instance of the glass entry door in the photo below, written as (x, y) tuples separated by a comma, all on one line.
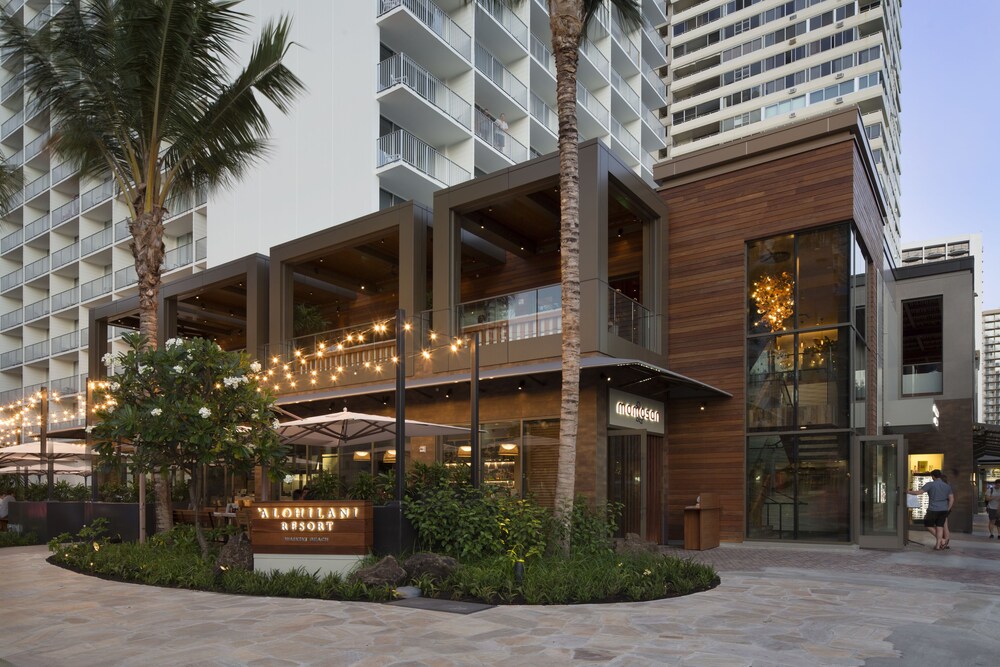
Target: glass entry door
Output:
[(625, 477), (879, 491)]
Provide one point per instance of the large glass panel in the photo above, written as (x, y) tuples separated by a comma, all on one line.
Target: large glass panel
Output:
[(541, 460), (770, 382), (860, 369), (771, 284), (770, 487), (823, 386), (859, 276), (501, 448), (824, 266), (880, 487), (923, 351), (823, 485)]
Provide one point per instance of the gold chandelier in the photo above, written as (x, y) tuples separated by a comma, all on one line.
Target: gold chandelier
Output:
[(774, 297)]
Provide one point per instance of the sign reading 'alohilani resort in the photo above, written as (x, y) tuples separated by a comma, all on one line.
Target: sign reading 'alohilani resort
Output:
[(319, 527), (634, 412)]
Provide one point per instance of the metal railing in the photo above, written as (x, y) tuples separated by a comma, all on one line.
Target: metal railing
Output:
[(629, 319), (126, 277), (543, 55), (36, 146), (516, 316), (11, 124), (35, 269), (63, 171), (11, 358), (402, 146), (596, 58), (37, 309), (8, 89), (96, 287), (496, 72), (400, 69), (626, 138), (97, 194), (544, 114), (36, 187), (66, 343), (590, 103), (64, 256), (502, 14), (36, 351), (180, 256), (11, 280), (65, 299), (626, 91), (488, 130), (11, 319), (436, 20), (10, 395), (96, 241), (12, 240), (121, 230), (37, 227)]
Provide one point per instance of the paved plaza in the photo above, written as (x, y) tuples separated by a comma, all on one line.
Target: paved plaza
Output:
[(777, 605)]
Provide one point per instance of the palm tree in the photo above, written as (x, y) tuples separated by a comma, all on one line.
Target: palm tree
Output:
[(142, 89), (11, 183)]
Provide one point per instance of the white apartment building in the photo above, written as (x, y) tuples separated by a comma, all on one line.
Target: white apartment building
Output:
[(740, 67), (990, 413), (404, 97)]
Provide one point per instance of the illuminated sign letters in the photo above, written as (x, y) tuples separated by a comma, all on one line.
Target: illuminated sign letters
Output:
[(634, 412)]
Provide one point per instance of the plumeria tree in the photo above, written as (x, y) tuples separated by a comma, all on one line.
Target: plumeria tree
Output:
[(185, 405)]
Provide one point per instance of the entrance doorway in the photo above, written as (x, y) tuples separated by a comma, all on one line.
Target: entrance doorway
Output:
[(878, 490), (635, 462)]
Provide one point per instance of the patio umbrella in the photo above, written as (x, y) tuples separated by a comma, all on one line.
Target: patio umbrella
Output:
[(80, 468), (341, 428), (29, 452)]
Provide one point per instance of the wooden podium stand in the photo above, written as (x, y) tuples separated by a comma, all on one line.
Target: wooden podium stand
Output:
[(701, 523)]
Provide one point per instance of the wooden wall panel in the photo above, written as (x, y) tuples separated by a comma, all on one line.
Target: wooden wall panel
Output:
[(710, 222)]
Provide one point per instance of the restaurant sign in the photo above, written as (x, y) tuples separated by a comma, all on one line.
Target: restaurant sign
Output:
[(312, 527), (635, 412)]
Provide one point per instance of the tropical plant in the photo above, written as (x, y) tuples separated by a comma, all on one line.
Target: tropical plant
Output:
[(185, 405), (142, 92)]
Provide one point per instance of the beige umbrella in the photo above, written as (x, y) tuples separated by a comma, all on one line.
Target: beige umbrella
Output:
[(30, 452), (341, 428)]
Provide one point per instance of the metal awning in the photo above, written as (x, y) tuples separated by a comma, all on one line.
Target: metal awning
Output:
[(985, 441)]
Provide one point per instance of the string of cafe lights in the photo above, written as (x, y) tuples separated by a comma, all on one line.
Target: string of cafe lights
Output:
[(18, 416)]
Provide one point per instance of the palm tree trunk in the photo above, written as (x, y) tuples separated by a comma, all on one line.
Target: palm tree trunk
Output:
[(567, 25), (148, 251), (195, 492)]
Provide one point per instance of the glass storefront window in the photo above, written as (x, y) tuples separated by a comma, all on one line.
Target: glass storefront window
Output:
[(823, 388), (770, 382), (771, 282), (823, 280)]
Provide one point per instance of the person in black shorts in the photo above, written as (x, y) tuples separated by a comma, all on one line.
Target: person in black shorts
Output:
[(940, 500)]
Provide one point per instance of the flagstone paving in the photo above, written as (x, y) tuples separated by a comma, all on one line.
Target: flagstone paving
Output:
[(777, 605)]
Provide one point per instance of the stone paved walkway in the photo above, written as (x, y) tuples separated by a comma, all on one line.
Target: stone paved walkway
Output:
[(777, 605)]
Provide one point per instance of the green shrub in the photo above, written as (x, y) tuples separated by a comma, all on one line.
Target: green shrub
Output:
[(325, 486), (12, 539)]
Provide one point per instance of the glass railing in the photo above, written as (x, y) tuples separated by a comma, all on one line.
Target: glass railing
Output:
[(626, 91), (96, 195), (8, 89), (15, 160), (488, 130), (65, 299), (436, 19), (121, 230), (923, 379), (647, 160), (35, 310), (34, 107), (65, 343), (626, 138), (36, 351), (36, 146), (401, 146), (544, 5), (69, 385), (178, 257), (631, 50), (10, 7), (94, 242), (543, 55), (496, 72), (654, 80), (37, 268), (11, 319), (629, 319), (11, 124), (516, 316), (12, 240), (401, 69), (65, 255), (544, 114), (182, 203), (63, 171), (596, 58), (96, 287), (590, 103), (654, 123), (40, 19), (126, 277), (36, 227), (502, 14), (11, 358), (11, 280), (200, 249), (36, 187), (11, 395)]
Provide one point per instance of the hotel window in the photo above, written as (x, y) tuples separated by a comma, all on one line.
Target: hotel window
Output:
[(922, 346)]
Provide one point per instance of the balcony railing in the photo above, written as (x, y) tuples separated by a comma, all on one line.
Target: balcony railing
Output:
[(11, 319), (96, 241), (183, 202), (65, 299), (11, 358), (36, 146), (63, 171), (543, 55), (178, 257), (64, 256), (12, 240), (34, 107), (401, 69), (436, 19), (402, 146), (501, 76), (35, 269), (629, 319), (596, 58), (631, 50), (8, 89), (35, 310), (11, 280), (36, 351), (517, 316), (544, 114), (654, 79), (11, 124), (590, 103), (36, 187), (492, 134), (923, 379), (626, 138), (11, 395), (97, 194), (37, 227), (97, 287), (200, 249), (121, 230), (15, 160), (631, 97), (126, 277), (502, 14), (65, 343)]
